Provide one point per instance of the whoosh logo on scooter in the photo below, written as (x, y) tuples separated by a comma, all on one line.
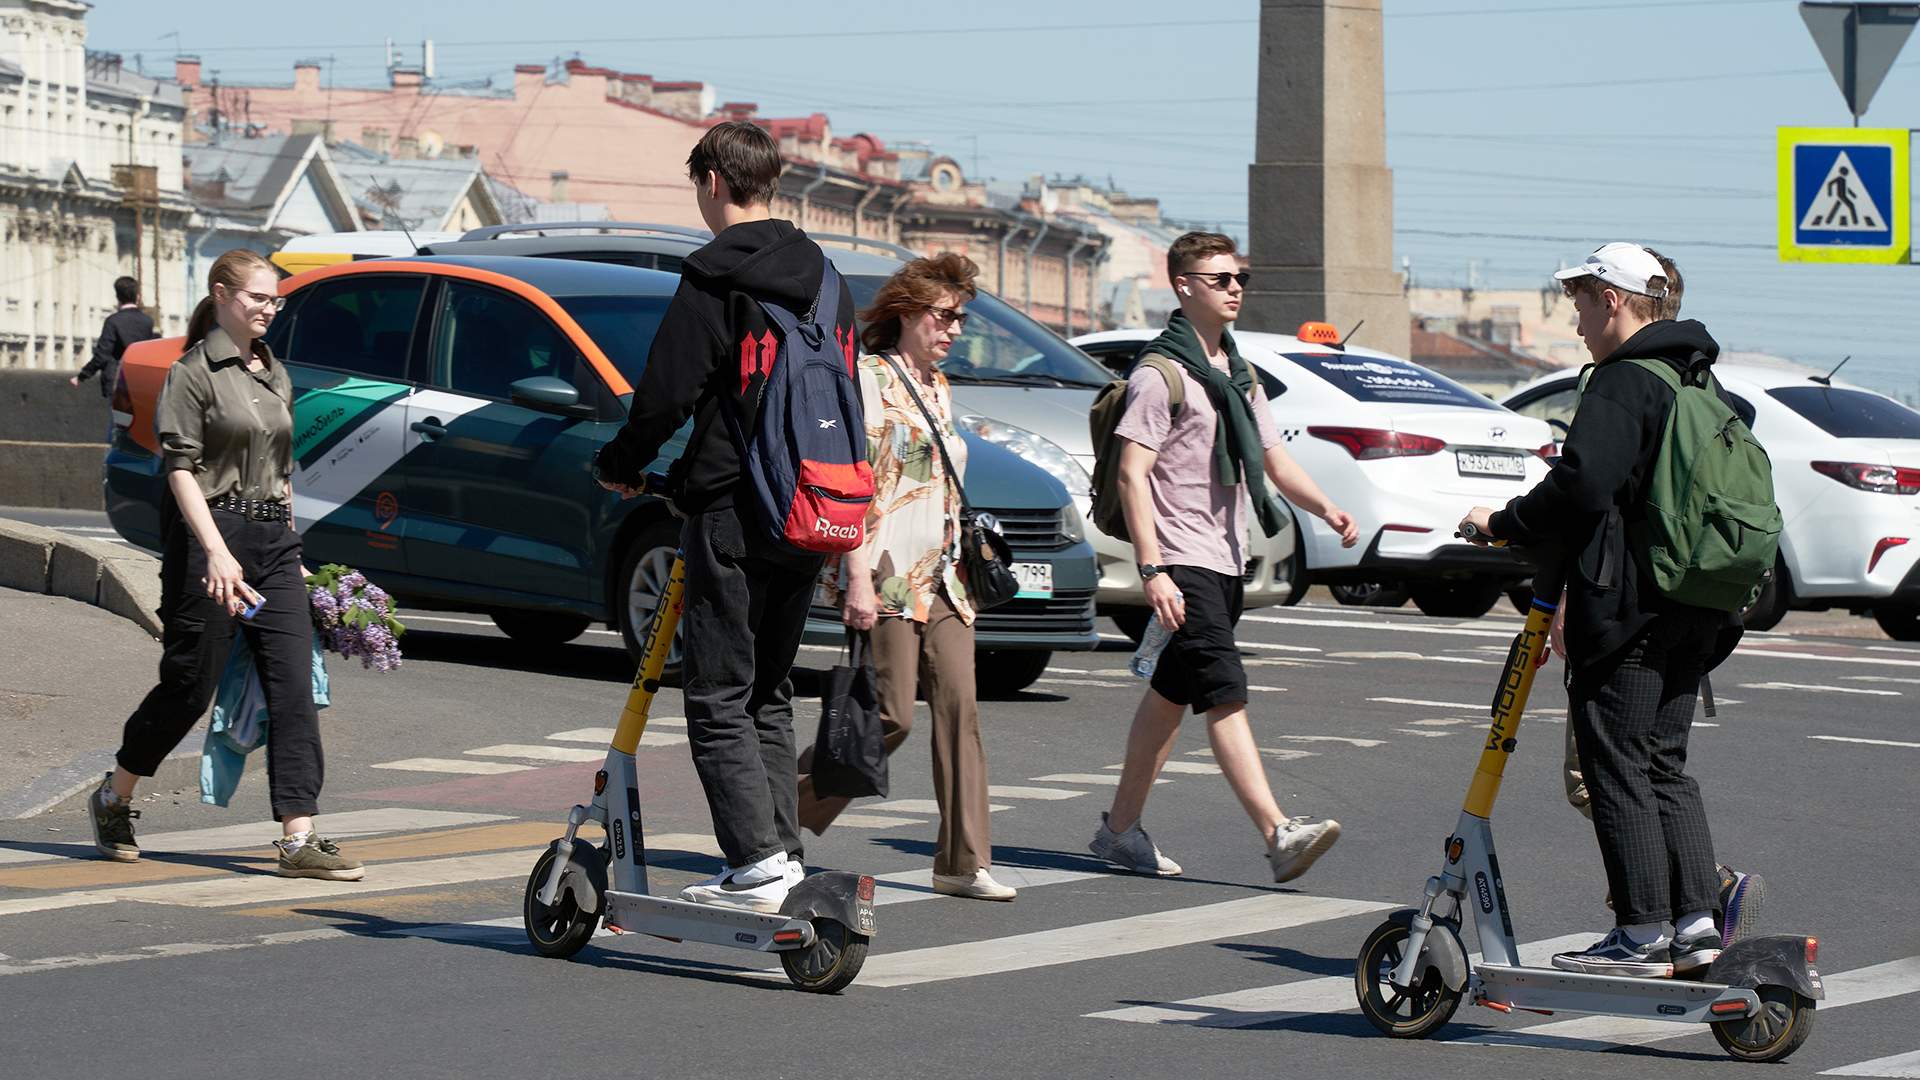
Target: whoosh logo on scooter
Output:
[(1508, 699)]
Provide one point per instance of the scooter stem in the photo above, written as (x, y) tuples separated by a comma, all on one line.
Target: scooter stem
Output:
[(1523, 661), (646, 681)]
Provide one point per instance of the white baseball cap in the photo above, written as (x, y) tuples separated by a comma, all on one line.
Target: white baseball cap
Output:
[(1626, 266)]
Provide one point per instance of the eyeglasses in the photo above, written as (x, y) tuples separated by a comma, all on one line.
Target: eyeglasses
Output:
[(948, 317), (259, 299), (1220, 278)]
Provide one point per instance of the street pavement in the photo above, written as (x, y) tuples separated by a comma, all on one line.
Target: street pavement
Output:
[(451, 774)]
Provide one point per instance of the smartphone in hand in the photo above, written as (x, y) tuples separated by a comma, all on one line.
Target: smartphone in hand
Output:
[(259, 601)]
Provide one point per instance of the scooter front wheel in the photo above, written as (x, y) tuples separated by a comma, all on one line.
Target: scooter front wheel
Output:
[(1413, 1013), (559, 929), (1784, 1021), (831, 963)]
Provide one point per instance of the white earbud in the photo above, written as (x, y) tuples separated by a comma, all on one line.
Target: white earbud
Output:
[(1184, 291)]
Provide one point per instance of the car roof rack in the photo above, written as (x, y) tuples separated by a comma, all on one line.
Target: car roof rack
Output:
[(541, 228), (866, 241)]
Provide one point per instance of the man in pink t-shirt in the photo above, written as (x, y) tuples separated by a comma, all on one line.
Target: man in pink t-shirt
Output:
[(1185, 481)]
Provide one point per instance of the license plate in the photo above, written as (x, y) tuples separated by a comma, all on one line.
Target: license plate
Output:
[(1036, 580), (1473, 463)]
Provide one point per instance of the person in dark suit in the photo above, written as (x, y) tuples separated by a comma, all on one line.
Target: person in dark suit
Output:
[(125, 326)]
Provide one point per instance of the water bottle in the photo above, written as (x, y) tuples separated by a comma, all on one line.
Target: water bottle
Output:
[(1152, 644)]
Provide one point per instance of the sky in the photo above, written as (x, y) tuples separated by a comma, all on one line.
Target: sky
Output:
[(1522, 133)]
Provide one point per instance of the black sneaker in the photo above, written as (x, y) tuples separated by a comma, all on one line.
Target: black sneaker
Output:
[(1694, 953), (113, 824), (1741, 896), (1616, 954)]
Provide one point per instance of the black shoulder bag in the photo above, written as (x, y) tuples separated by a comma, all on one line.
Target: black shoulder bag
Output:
[(984, 554)]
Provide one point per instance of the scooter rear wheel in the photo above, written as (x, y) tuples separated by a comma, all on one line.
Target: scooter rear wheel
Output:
[(1403, 1014), (1784, 1021), (560, 929), (831, 963)]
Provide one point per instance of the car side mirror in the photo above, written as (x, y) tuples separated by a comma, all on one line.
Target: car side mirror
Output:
[(546, 393)]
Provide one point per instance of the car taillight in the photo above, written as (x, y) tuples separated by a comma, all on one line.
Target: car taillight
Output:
[(1366, 444), (1881, 479), (1549, 453)]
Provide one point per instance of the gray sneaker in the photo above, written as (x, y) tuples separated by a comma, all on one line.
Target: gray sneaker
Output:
[(1297, 843), (319, 857), (1131, 850), (113, 825)]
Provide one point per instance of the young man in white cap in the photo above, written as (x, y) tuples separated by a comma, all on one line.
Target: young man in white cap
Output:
[(1636, 658)]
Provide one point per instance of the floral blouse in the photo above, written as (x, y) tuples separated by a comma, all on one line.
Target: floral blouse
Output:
[(913, 524)]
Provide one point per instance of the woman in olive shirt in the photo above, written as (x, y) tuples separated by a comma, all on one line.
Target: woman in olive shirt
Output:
[(225, 422)]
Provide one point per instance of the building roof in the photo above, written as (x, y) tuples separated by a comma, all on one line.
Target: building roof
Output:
[(412, 193), (254, 173), (107, 75), (1451, 354)]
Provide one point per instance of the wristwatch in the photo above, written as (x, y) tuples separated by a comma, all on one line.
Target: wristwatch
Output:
[(1148, 571)]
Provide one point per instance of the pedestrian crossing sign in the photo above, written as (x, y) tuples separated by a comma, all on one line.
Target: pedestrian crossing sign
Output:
[(1844, 195)]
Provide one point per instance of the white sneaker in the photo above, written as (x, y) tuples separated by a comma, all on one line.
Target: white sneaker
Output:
[(796, 871), (761, 886), (1297, 843), (978, 885)]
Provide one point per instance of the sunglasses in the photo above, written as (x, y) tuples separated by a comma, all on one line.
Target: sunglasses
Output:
[(1219, 279), (946, 317), (261, 299)]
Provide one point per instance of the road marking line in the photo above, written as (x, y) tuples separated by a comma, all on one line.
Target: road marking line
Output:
[(1427, 734), (923, 806), (854, 820), (912, 886), (1196, 768), (1276, 648), (1409, 656), (1880, 678), (1752, 651), (1859, 986), (1907, 1065), (1045, 794), (1267, 689), (1107, 779), (1356, 624), (1116, 937), (1816, 688), (1266, 1004), (1364, 744), (451, 765), (1083, 682), (1866, 742), (534, 752), (1482, 707), (1449, 722), (353, 823), (1108, 672), (604, 735), (156, 952), (1278, 753)]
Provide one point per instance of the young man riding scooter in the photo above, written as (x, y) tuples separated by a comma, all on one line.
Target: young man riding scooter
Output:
[(1636, 657)]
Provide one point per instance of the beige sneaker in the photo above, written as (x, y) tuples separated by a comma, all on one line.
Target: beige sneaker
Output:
[(978, 885), (319, 857), (1297, 843)]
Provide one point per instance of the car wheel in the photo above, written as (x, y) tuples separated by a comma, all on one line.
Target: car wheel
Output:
[(1294, 572), (1468, 599), (541, 627), (1132, 622), (1369, 594), (1776, 596), (1521, 597), (644, 570), (1900, 623), (1000, 673)]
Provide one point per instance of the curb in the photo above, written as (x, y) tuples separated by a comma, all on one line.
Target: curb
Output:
[(112, 577)]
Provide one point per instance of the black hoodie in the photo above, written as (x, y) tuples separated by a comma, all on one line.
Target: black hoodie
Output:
[(710, 346), (1599, 484)]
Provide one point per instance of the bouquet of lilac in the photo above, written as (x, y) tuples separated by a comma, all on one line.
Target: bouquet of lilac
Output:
[(354, 617)]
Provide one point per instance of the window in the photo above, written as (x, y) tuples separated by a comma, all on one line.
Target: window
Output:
[(1850, 414), (623, 327), (1555, 406), (489, 340), (1003, 347), (1389, 381), (361, 324)]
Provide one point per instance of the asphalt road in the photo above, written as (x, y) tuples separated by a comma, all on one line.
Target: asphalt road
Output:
[(179, 965)]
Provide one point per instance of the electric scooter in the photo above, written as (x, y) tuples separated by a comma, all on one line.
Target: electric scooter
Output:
[(821, 932), (1758, 996)]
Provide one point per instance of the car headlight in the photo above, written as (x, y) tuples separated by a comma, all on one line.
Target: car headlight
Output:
[(1037, 449), (1072, 526)]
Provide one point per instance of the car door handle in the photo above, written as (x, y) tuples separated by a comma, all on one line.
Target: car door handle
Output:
[(430, 428)]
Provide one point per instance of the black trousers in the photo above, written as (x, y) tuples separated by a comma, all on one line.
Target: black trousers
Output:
[(198, 634), (1631, 717), (744, 613)]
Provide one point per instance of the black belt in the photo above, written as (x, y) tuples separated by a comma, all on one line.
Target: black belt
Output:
[(253, 510)]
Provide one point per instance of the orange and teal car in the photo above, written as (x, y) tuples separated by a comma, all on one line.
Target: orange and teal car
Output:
[(445, 411)]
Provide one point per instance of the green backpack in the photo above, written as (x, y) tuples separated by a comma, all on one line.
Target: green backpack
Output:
[(1711, 527), (1108, 406)]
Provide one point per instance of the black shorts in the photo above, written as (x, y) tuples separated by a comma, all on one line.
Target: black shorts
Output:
[(1201, 666)]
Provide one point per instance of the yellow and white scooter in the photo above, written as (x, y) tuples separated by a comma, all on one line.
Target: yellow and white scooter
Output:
[(821, 932), (1412, 972)]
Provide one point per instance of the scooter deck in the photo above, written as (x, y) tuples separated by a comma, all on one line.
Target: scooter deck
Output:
[(1550, 989), (682, 920)]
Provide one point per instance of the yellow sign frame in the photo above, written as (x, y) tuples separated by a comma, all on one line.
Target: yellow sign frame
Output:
[(1899, 214)]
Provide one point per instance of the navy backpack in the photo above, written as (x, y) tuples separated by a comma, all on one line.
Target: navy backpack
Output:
[(807, 452)]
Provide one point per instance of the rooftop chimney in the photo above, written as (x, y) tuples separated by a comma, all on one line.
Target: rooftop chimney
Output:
[(186, 70), (558, 192), (406, 77), (306, 76), (374, 139)]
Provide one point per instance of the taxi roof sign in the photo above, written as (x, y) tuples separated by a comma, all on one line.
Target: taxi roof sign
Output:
[(1844, 195)]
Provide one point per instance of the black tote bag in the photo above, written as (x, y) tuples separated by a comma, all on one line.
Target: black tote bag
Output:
[(849, 755)]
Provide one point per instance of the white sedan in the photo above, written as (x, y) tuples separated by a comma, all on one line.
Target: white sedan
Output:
[(1403, 449), (1846, 473)]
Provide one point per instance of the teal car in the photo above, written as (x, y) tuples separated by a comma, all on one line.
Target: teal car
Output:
[(445, 412)]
